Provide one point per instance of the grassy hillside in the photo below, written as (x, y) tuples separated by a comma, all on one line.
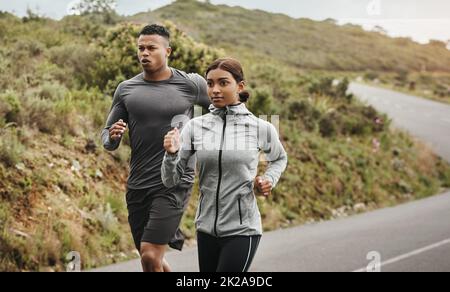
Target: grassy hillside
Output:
[(60, 191), (398, 63), (302, 43)]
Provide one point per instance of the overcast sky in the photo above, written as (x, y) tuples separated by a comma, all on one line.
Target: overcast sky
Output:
[(419, 19)]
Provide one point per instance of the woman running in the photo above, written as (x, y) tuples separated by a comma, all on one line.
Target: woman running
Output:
[(227, 143)]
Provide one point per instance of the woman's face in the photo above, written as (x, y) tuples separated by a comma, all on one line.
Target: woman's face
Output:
[(223, 90)]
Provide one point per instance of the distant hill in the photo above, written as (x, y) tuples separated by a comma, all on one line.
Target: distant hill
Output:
[(302, 43)]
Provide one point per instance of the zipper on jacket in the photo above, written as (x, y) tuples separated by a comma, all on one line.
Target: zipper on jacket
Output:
[(240, 213), (220, 172)]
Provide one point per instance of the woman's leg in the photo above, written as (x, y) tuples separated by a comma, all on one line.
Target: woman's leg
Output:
[(237, 253), (208, 252)]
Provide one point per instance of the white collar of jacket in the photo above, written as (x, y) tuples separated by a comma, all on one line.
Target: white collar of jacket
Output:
[(239, 109)]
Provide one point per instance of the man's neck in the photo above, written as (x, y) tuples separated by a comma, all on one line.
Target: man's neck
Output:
[(164, 74)]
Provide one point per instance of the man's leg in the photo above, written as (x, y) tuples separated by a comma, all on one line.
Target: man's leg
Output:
[(152, 257), (166, 266), (165, 214)]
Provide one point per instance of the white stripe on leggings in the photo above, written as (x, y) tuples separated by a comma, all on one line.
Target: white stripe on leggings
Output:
[(248, 256)]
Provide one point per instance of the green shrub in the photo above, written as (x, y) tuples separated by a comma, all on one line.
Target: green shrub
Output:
[(342, 88), (372, 75), (42, 115), (328, 125), (11, 148), (10, 107), (322, 86), (305, 112), (53, 91), (260, 102), (327, 86), (78, 59)]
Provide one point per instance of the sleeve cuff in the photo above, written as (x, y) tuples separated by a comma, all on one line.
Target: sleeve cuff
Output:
[(171, 157)]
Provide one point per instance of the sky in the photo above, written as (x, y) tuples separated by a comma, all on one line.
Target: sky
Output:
[(420, 20)]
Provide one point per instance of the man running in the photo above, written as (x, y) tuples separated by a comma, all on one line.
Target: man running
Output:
[(147, 105)]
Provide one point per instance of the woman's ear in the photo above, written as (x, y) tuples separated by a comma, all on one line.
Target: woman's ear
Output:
[(241, 86)]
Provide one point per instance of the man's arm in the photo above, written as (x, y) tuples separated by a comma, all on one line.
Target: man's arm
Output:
[(113, 132)]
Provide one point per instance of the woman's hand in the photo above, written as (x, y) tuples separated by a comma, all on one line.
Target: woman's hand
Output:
[(263, 186), (172, 141)]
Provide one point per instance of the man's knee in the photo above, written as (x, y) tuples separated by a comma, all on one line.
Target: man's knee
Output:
[(152, 256)]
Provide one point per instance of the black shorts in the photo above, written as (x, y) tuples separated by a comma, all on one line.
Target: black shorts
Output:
[(155, 217)]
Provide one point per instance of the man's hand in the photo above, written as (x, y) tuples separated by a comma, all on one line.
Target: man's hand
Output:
[(117, 130), (263, 187), (172, 141)]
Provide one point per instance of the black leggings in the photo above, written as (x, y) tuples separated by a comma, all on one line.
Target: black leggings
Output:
[(226, 254)]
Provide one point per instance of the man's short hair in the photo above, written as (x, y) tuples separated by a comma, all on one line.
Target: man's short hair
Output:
[(156, 29)]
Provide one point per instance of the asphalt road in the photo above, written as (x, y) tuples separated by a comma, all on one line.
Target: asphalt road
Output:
[(414, 237), (428, 120)]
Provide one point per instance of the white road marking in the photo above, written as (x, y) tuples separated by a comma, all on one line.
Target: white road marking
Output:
[(410, 254)]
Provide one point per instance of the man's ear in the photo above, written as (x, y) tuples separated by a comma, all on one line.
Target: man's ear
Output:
[(168, 52)]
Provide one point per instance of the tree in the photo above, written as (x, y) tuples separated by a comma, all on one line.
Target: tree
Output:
[(105, 8), (94, 6)]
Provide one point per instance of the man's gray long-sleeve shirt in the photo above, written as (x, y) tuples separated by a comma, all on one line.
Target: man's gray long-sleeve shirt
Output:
[(151, 109)]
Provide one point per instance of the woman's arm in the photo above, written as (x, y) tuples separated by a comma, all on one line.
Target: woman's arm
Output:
[(274, 154), (178, 152)]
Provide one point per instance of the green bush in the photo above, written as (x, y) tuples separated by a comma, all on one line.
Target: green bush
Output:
[(41, 114), (30, 47), (328, 86), (322, 86), (77, 59), (10, 107), (355, 125), (305, 112), (260, 102), (342, 88), (352, 120), (402, 76), (11, 148), (372, 75), (328, 125), (53, 91), (84, 27)]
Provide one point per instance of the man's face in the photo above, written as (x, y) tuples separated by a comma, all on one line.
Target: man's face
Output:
[(153, 51)]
